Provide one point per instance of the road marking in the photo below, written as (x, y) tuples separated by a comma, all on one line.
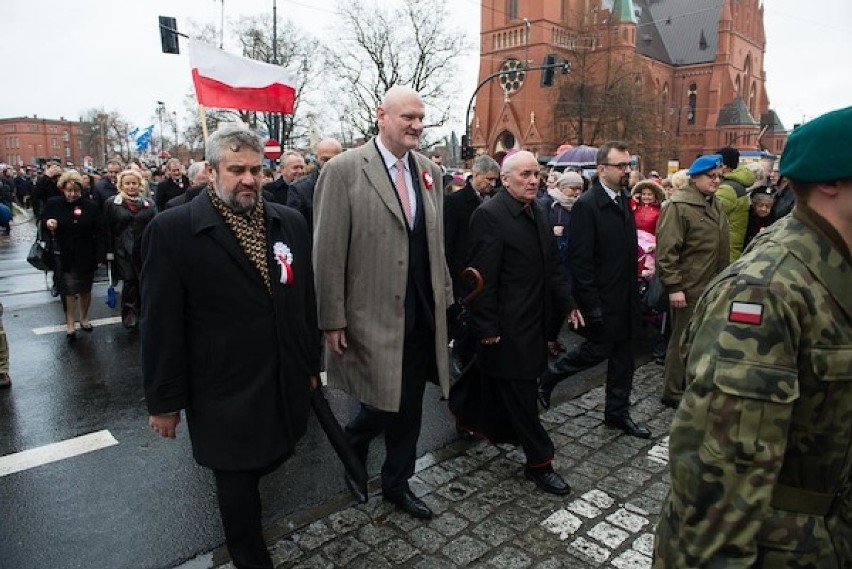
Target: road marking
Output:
[(61, 328), (46, 454)]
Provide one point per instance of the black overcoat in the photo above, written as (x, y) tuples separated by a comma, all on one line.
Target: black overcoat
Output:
[(123, 234), (524, 282), (78, 233), (604, 256), (217, 344), (458, 207)]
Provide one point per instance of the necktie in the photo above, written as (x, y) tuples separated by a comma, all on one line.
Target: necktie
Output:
[(402, 189)]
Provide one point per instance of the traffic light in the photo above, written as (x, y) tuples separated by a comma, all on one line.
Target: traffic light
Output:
[(467, 152), (547, 74), (168, 35)]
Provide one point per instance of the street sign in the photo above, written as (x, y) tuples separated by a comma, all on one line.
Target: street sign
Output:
[(272, 149)]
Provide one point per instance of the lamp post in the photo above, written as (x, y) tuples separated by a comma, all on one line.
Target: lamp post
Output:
[(161, 108), (175, 125), (102, 118)]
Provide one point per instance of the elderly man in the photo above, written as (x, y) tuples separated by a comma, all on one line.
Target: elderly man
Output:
[(199, 177), (174, 184), (759, 448), (512, 249), (301, 194), (230, 334), (383, 287), (604, 269), (692, 248), (291, 167)]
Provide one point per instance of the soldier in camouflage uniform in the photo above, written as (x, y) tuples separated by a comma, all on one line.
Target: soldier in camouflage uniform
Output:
[(761, 445)]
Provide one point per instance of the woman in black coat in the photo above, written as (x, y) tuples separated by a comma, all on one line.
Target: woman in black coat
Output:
[(74, 223), (125, 217)]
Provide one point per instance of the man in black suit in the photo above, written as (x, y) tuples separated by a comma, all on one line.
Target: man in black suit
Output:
[(512, 249), (105, 188), (292, 168), (174, 184), (301, 193), (229, 332), (604, 269)]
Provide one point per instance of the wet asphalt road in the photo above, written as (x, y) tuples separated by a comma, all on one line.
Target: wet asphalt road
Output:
[(143, 502)]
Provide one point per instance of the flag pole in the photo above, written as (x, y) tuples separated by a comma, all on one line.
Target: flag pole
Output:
[(202, 114)]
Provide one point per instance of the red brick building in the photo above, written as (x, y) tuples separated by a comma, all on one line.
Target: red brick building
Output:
[(30, 141), (675, 78)]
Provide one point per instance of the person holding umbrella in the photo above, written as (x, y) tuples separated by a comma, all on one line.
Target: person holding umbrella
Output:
[(125, 218), (74, 223)]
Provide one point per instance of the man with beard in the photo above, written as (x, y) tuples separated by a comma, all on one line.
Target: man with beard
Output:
[(230, 333), (604, 269)]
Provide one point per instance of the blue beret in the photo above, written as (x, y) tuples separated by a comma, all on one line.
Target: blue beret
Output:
[(819, 150), (704, 163)]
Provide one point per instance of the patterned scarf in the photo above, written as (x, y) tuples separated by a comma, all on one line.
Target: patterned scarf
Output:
[(250, 231)]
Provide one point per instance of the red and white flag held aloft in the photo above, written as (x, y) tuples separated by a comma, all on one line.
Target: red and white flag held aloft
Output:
[(226, 81)]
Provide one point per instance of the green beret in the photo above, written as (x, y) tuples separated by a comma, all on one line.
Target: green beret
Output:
[(819, 150)]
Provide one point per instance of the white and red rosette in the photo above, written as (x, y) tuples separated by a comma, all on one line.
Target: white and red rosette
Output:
[(427, 179), (284, 256)]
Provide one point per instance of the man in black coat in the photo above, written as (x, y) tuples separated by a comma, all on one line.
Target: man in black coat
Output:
[(105, 188), (292, 168), (45, 187), (512, 249), (604, 265), (174, 184), (229, 332)]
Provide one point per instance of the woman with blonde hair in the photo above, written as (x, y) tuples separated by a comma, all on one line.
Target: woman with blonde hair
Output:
[(74, 223), (125, 217)]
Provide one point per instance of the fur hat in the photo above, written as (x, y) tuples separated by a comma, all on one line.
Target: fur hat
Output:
[(659, 193)]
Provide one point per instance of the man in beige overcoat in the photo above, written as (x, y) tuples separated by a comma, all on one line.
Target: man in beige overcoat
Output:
[(383, 286)]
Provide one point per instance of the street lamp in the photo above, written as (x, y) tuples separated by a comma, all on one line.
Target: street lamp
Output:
[(175, 125)]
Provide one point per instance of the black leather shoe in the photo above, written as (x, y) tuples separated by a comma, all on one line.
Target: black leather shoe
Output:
[(544, 398), (670, 402), (355, 488), (629, 426), (410, 504), (547, 480)]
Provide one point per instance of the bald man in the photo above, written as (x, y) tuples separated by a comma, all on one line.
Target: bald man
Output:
[(301, 194), (383, 287)]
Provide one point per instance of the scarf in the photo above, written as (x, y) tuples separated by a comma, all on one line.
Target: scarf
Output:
[(561, 198), (131, 203), (250, 231)]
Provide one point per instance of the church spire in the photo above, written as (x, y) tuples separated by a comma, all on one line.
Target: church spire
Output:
[(623, 12)]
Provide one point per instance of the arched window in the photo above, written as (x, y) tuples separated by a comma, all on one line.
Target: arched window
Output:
[(752, 100), (692, 103), (664, 98), (738, 86), (746, 86)]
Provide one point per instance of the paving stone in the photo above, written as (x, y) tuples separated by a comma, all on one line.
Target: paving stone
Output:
[(583, 508), (633, 475), (436, 503), (510, 558), (420, 487), (464, 550), (427, 539), (448, 523), (372, 560), (657, 490), (402, 521), (562, 523), (462, 464), (616, 487), (344, 549), (314, 562), (503, 467), (576, 451), (348, 520), (482, 452), (606, 458), (572, 431), (477, 509), (552, 417), (569, 410), (541, 503), (456, 490), (609, 535), (285, 551), (578, 482), (584, 421), (493, 532), (313, 536), (590, 550), (538, 542), (374, 534), (482, 479), (644, 544), (434, 562), (518, 519), (397, 551), (592, 470), (437, 475), (497, 496), (632, 560), (627, 520), (599, 498)]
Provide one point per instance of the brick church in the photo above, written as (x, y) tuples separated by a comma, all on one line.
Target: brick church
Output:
[(674, 78)]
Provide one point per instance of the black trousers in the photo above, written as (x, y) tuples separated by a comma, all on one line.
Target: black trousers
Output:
[(520, 403), (401, 429), (240, 510), (619, 371)]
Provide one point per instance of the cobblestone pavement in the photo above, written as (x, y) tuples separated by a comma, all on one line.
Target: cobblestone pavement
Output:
[(487, 515)]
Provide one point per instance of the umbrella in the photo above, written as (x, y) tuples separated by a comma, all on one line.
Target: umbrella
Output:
[(110, 301), (578, 157), (354, 467)]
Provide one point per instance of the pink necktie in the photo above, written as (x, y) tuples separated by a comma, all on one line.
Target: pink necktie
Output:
[(402, 189)]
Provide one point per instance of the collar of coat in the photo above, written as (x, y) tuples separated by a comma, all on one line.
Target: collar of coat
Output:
[(691, 195), (204, 216)]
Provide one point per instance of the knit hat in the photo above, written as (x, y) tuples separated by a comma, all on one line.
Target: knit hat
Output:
[(570, 179), (819, 150), (730, 157), (705, 163)]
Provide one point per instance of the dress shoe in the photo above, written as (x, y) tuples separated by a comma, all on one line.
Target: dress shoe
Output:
[(548, 480), (5, 380), (629, 426), (410, 504), (544, 398), (355, 488), (670, 402), (71, 336)]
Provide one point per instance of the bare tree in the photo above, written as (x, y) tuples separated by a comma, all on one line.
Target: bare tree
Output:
[(107, 135), (380, 47)]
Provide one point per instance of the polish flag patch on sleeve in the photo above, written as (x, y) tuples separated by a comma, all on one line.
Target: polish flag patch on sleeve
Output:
[(746, 313)]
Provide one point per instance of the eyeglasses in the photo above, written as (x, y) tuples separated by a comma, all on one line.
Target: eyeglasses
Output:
[(713, 176), (620, 165)]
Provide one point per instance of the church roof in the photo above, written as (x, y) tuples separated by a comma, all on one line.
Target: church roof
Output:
[(773, 121), (622, 11), (678, 32), (735, 113)]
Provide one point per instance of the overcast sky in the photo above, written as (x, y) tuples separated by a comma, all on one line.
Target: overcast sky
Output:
[(65, 56)]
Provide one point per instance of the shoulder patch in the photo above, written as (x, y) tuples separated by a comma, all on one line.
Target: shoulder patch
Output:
[(746, 313)]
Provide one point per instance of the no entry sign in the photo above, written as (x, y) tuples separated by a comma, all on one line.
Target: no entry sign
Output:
[(272, 149)]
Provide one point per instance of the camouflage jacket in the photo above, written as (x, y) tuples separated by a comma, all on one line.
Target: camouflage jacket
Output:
[(761, 445)]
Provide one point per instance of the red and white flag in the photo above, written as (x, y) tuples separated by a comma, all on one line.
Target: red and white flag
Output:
[(226, 81)]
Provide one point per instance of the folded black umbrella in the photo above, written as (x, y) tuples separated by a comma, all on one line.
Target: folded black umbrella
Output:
[(353, 465)]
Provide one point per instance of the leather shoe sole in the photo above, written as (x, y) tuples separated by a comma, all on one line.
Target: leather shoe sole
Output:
[(355, 489), (629, 427), (410, 504), (549, 481)]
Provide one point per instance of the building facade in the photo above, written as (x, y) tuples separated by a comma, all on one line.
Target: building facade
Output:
[(31, 141), (674, 78)]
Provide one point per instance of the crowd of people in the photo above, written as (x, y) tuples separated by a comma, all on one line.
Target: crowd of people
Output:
[(368, 262)]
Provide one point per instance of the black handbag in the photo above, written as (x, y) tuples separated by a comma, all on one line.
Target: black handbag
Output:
[(40, 255), (655, 296)]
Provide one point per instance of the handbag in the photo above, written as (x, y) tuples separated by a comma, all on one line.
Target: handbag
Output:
[(40, 255), (656, 297)]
